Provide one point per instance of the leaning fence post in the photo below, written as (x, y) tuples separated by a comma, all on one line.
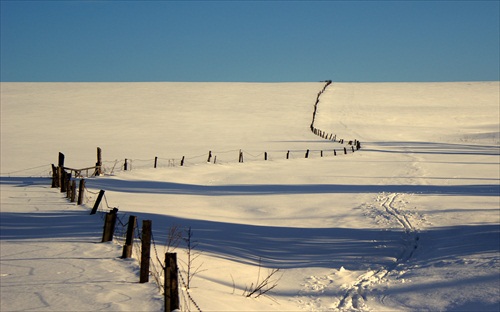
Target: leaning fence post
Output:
[(209, 156), (171, 287), (81, 189), (109, 225), (145, 251), (97, 202), (182, 161), (345, 150), (307, 154), (287, 154), (129, 241)]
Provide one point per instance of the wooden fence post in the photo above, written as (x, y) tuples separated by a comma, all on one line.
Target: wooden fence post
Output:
[(81, 189), (97, 202), (98, 164), (63, 180), (182, 161), (60, 168), (73, 191), (345, 150), (265, 155), (215, 159), (109, 225), (156, 161), (129, 241), (125, 165), (209, 156), (334, 153), (307, 154), (146, 250), (241, 157), (55, 177), (287, 154), (171, 283)]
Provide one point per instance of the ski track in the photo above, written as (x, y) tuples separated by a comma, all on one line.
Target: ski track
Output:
[(356, 296)]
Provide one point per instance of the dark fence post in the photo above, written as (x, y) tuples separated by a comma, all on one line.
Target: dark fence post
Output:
[(265, 155), (98, 164), (345, 150), (241, 157), (109, 225), (81, 189), (129, 241), (60, 169), (125, 165), (182, 161), (307, 154), (55, 177), (287, 154), (209, 156), (73, 191), (171, 286), (146, 251), (97, 202), (156, 161)]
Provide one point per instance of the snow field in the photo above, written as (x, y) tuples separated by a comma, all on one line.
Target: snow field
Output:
[(410, 222)]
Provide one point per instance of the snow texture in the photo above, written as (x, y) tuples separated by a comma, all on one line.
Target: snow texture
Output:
[(410, 222)]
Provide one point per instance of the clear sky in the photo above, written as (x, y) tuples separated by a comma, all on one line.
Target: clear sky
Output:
[(263, 41)]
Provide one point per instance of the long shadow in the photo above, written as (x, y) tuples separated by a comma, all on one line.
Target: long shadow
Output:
[(403, 147), (60, 225), (158, 187), (274, 246)]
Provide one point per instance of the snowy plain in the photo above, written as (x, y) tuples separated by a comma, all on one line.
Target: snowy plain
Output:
[(410, 222)]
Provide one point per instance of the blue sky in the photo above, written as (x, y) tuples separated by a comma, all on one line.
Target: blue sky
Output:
[(262, 41)]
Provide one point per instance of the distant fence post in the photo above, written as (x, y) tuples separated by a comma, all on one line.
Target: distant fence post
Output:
[(125, 165), (265, 155), (240, 157), (129, 241), (98, 164), (307, 154), (109, 225), (81, 189), (156, 161), (55, 177), (182, 161), (73, 191), (287, 154), (345, 150), (97, 202), (209, 156), (171, 283), (145, 251), (60, 168)]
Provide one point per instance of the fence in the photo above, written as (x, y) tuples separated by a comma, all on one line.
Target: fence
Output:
[(137, 241)]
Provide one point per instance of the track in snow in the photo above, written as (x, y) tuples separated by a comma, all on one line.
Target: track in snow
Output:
[(355, 296)]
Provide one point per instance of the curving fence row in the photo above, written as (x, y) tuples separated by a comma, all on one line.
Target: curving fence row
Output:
[(355, 144)]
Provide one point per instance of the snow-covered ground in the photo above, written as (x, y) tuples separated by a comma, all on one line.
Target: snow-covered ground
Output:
[(409, 222)]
